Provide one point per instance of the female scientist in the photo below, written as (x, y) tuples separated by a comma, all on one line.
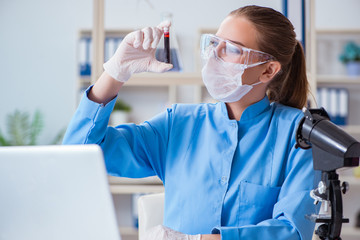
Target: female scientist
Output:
[(230, 169)]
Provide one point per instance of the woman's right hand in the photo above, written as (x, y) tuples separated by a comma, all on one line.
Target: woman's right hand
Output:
[(136, 54)]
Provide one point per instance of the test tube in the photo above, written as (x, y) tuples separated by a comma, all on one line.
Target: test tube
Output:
[(167, 44)]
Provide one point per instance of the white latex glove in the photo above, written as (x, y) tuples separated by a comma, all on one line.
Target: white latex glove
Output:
[(161, 232), (136, 53)]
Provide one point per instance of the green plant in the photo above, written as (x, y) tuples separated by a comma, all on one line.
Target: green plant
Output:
[(23, 131), (120, 105), (351, 53)]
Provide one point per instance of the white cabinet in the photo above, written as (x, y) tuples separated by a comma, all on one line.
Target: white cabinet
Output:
[(331, 73)]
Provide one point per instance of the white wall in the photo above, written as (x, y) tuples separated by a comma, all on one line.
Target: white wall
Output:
[(337, 14), (38, 58), (38, 43)]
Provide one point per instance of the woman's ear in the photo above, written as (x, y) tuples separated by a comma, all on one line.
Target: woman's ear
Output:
[(271, 69)]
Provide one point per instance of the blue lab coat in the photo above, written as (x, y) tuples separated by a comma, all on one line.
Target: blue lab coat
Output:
[(243, 179)]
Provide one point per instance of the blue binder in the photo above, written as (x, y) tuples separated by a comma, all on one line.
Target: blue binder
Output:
[(336, 103)]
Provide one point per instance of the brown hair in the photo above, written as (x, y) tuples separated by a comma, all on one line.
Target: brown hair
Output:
[(276, 36)]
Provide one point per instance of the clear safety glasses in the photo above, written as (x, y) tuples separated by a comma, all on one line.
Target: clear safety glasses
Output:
[(229, 52)]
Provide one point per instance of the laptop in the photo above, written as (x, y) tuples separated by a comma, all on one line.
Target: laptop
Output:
[(55, 192)]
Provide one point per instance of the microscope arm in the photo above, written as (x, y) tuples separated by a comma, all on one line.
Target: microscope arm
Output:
[(336, 208)]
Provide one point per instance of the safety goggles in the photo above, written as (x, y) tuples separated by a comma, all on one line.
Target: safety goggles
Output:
[(229, 52)]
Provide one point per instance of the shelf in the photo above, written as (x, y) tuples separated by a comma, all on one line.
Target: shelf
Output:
[(131, 181), (158, 79), (120, 185), (338, 79), (338, 31), (128, 231), (131, 189), (165, 79), (108, 32), (179, 78), (84, 80)]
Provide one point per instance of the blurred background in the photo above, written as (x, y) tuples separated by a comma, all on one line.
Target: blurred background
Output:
[(39, 45), (45, 50)]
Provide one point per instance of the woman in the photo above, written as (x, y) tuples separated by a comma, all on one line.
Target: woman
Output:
[(230, 169)]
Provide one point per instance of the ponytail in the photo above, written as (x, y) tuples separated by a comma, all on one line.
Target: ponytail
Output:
[(290, 87), (276, 36)]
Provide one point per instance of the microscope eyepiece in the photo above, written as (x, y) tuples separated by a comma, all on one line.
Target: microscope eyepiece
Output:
[(332, 147)]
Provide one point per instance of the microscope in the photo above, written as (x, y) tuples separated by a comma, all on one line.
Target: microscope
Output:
[(332, 149)]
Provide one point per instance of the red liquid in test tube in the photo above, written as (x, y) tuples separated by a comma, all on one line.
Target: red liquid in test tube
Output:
[(167, 44)]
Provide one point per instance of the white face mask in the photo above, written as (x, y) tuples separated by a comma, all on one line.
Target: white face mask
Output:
[(223, 80)]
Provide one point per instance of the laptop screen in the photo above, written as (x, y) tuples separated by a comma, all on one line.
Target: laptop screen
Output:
[(55, 192)]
